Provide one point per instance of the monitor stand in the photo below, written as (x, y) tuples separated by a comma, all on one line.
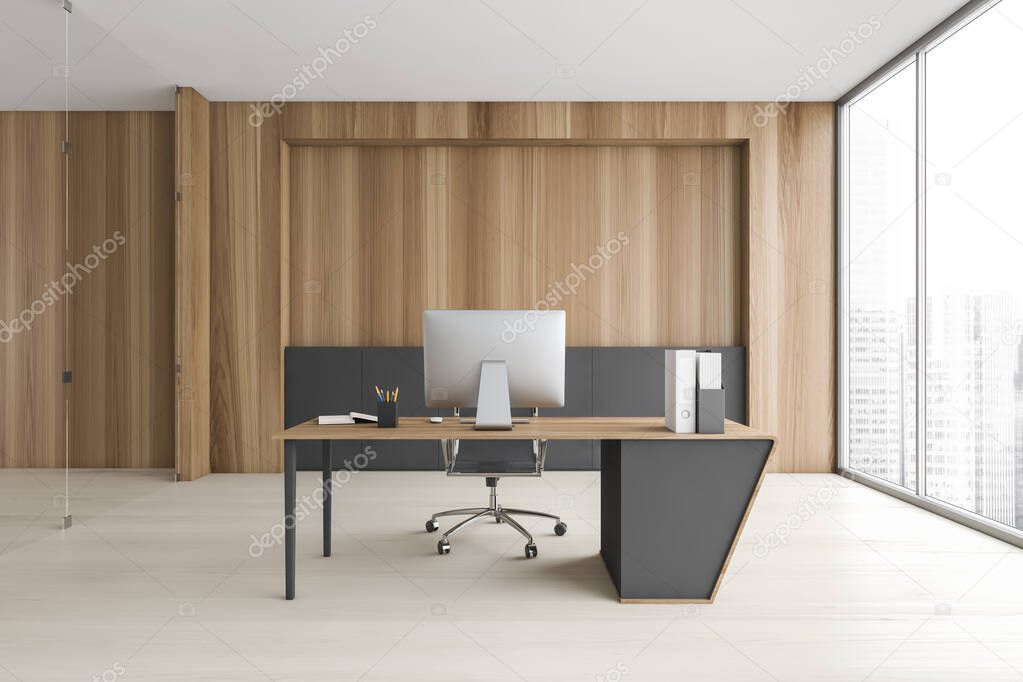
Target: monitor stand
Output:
[(493, 406)]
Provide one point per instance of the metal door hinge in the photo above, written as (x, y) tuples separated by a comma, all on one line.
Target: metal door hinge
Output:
[(66, 376), (65, 146), (177, 196)]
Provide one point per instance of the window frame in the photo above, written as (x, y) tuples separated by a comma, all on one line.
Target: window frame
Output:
[(915, 53)]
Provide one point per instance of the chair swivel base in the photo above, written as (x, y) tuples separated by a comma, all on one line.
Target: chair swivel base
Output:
[(499, 514)]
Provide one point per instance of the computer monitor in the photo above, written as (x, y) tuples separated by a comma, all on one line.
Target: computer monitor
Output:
[(494, 360)]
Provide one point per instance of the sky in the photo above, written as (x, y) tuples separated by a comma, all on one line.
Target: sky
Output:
[(974, 133)]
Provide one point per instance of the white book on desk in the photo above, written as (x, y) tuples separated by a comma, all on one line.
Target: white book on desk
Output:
[(325, 419), (680, 390), (350, 418)]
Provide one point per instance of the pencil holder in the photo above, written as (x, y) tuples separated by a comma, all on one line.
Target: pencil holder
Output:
[(387, 414)]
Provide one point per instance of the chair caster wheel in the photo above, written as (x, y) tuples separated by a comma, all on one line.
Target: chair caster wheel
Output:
[(443, 547), (498, 519), (531, 551), (432, 525), (560, 528)]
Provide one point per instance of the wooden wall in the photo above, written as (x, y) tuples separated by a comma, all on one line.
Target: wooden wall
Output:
[(122, 353), (792, 282), (786, 204), (639, 244), (192, 285), (255, 305), (245, 357), (118, 318), (31, 256)]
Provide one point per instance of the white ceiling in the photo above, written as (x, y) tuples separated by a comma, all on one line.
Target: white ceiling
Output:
[(129, 54)]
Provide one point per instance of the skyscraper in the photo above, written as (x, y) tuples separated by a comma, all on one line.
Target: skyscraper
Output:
[(971, 404), (1019, 433)]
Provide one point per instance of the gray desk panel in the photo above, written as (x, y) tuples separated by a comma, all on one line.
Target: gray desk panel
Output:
[(670, 511)]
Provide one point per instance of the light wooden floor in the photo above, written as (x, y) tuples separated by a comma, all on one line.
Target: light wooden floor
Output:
[(156, 581)]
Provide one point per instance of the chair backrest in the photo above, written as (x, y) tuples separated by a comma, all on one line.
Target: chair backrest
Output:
[(490, 457)]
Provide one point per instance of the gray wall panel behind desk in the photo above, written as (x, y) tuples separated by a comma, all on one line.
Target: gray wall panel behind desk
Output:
[(575, 454), (629, 382), (402, 367), (603, 382), (321, 380)]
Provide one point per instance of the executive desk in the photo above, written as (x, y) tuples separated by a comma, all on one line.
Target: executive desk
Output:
[(672, 505)]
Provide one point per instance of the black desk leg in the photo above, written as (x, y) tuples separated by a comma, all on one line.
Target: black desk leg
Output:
[(326, 466), (290, 476)]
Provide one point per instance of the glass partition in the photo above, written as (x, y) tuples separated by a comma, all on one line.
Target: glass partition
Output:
[(66, 149)]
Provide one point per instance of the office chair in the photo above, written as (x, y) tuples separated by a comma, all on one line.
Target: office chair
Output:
[(494, 509)]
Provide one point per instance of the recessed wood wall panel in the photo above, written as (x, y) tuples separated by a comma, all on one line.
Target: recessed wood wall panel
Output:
[(32, 411), (122, 310), (614, 235)]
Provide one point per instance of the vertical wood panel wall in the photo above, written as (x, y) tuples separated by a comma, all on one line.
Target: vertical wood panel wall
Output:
[(122, 310), (245, 304), (639, 244), (192, 284), (802, 335), (786, 258), (787, 254), (32, 422)]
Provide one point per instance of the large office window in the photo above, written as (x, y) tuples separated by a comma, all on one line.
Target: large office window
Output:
[(882, 280), (974, 280), (933, 256)]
